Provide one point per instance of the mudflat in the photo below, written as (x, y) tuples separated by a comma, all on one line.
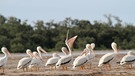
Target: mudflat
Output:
[(116, 70)]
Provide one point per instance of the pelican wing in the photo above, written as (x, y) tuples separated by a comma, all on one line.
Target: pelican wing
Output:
[(127, 59), (106, 58), (24, 62), (2, 61), (64, 60), (52, 61), (80, 61)]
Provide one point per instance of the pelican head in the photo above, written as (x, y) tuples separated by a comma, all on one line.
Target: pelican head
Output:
[(39, 48), (64, 50), (28, 51), (35, 54), (130, 53), (6, 52), (92, 45), (88, 46), (114, 47), (55, 55)]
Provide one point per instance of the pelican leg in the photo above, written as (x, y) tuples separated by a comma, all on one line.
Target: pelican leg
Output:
[(54, 67), (90, 65), (23, 69), (106, 65), (65, 67), (62, 67), (83, 66), (109, 66), (37, 68), (50, 67), (130, 66), (3, 70)]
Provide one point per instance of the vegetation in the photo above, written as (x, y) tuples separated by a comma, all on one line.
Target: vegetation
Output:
[(18, 35)]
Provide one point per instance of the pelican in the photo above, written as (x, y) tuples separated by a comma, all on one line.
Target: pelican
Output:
[(3, 60), (92, 48), (24, 62), (37, 59), (128, 59), (80, 60), (90, 54), (109, 57), (65, 60), (55, 57)]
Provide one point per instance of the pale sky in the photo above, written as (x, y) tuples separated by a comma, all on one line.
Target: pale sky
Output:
[(58, 10)]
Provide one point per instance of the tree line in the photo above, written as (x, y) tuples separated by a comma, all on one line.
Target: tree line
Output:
[(18, 35)]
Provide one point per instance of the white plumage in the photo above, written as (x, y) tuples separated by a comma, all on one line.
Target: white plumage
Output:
[(53, 60), (128, 59), (65, 60), (55, 57), (109, 57), (80, 61), (24, 62), (37, 59), (3, 60)]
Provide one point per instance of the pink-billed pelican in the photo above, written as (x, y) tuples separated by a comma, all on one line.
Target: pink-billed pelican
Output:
[(65, 60), (55, 57), (109, 57), (3, 60), (128, 59), (37, 59), (80, 60), (90, 53), (24, 62), (36, 62)]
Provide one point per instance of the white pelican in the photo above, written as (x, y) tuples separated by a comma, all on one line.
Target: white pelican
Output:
[(37, 59), (109, 57), (53, 60), (128, 59), (80, 60), (90, 55), (92, 48), (3, 60), (24, 62), (55, 57), (68, 58)]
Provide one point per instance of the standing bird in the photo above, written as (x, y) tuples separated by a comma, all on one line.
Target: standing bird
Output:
[(3, 60), (80, 60), (109, 57), (55, 57), (90, 54), (65, 60), (37, 60), (24, 62), (128, 59)]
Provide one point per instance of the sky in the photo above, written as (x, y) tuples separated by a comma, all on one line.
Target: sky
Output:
[(58, 10)]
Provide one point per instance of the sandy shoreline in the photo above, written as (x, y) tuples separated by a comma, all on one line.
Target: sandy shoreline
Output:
[(117, 70)]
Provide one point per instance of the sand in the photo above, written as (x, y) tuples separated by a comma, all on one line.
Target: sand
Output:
[(116, 70)]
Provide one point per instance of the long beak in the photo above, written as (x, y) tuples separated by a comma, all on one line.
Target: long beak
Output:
[(40, 58), (83, 52), (71, 41), (9, 54), (43, 50), (31, 54)]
